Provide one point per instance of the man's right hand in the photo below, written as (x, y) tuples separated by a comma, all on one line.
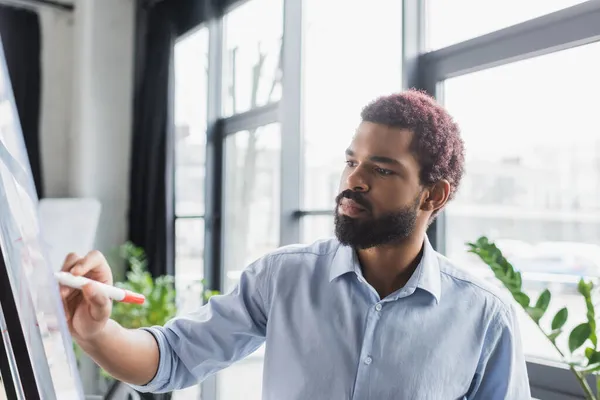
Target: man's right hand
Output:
[(129, 355), (87, 310)]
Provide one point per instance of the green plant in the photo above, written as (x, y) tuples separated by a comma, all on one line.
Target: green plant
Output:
[(583, 333), (160, 305)]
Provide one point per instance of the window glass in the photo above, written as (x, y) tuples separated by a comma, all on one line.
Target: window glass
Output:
[(191, 69), (315, 227), (252, 70), (189, 263), (348, 63), (251, 208), (532, 179)]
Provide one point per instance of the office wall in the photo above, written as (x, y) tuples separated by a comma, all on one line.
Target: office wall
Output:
[(87, 91), (100, 139), (56, 102)]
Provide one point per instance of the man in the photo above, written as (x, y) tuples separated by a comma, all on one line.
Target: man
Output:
[(374, 314)]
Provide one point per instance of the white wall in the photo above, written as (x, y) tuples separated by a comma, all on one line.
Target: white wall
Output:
[(56, 103), (99, 144), (87, 96)]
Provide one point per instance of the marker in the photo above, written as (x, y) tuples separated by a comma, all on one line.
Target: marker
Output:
[(112, 292)]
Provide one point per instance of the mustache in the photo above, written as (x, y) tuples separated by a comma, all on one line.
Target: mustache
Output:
[(353, 195)]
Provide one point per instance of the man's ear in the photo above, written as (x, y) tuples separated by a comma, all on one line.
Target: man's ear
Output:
[(436, 196)]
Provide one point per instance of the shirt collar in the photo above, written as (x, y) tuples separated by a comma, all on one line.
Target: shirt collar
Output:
[(426, 275)]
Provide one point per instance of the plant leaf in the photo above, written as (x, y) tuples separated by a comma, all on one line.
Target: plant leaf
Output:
[(543, 301), (585, 288), (518, 280), (554, 334), (594, 357), (560, 318), (522, 299), (535, 313), (502, 269), (578, 336), (589, 351)]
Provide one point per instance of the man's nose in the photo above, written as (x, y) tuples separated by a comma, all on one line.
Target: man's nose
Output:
[(356, 181)]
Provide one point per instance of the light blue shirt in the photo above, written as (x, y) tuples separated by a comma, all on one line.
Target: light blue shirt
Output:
[(329, 336)]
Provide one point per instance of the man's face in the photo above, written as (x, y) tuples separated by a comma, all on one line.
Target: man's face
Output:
[(380, 192)]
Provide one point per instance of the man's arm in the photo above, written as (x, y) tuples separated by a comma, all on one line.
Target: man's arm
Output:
[(129, 355), (502, 373), (226, 329), (187, 349)]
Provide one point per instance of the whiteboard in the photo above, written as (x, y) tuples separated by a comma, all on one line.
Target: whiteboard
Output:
[(25, 254)]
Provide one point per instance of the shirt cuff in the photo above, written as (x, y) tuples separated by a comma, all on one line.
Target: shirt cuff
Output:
[(160, 380)]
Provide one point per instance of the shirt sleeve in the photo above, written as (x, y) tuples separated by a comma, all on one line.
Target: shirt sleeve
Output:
[(226, 329), (502, 373)]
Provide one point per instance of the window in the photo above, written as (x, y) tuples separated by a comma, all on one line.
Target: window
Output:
[(533, 176), (242, 380), (450, 22), (191, 74), (315, 227), (250, 230), (252, 69), (251, 209), (191, 68), (347, 64), (189, 263)]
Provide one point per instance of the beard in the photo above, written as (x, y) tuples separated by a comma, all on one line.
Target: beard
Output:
[(367, 232)]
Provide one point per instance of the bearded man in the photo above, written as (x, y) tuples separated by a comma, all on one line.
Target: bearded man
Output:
[(374, 313)]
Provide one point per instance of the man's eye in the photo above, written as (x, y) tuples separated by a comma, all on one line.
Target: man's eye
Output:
[(351, 163), (383, 171)]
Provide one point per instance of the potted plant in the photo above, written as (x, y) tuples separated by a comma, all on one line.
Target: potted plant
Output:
[(585, 333), (160, 305)]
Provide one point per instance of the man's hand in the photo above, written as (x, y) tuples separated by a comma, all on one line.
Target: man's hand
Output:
[(129, 355), (87, 310)]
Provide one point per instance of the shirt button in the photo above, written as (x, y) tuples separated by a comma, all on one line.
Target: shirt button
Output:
[(378, 307), (368, 360)]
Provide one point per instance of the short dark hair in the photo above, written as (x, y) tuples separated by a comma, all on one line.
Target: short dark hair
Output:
[(436, 144)]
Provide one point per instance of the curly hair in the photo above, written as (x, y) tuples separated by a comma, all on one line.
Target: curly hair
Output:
[(437, 144)]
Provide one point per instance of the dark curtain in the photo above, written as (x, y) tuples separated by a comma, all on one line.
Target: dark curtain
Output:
[(21, 40), (188, 14), (151, 209)]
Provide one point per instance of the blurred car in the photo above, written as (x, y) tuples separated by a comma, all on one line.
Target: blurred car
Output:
[(566, 258), (554, 264), (513, 248), (558, 265)]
